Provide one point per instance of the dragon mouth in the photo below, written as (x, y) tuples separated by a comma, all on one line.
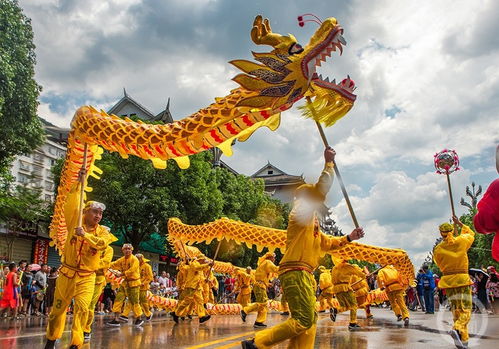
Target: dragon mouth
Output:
[(319, 54)]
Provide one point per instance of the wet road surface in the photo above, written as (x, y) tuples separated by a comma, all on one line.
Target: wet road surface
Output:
[(226, 331)]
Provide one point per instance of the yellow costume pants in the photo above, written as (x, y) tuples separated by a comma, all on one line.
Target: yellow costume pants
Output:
[(144, 304), (301, 326), (326, 300), (260, 305), (347, 301), (133, 295), (208, 295), (100, 283), (397, 302), (461, 305), (192, 299), (81, 289), (244, 299)]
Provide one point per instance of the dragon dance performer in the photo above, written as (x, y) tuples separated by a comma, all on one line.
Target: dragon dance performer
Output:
[(146, 277), (326, 287), (210, 283), (389, 279), (304, 246), (451, 256), (80, 260), (264, 272), (106, 256), (360, 288), (127, 266), (341, 276), (244, 281), (192, 295)]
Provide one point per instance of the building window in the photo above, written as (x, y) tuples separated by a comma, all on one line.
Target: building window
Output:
[(38, 157), (37, 171), (24, 165), (270, 172), (48, 197), (133, 115), (23, 179), (52, 151), (48, 186)]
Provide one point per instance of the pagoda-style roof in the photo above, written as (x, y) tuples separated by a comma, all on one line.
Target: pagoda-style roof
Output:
[(275, 176), (127, 99)]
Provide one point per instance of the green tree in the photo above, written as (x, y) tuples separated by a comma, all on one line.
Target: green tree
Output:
[(21, 129), (140, 198), (22, 210)]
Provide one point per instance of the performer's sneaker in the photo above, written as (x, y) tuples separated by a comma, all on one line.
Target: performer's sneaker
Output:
[(353, 327), (406, 321), (370, 317), (123, 318), (189, 317), (243, 315), (174, 316), (114, 323), (87, 336), (248, 344), (285, 313), (457, 339), (259, 325), (332, 314), (149, 318), (50, 344), (204, 318), (138, 322), (399, 317)]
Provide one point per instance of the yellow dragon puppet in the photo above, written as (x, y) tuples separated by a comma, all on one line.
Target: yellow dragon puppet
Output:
[(268, 87)]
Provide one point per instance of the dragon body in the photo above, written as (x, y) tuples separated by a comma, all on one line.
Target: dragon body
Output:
[(180, 235), (269, 86)]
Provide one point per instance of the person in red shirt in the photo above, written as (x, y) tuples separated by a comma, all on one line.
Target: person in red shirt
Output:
[(9, 298)]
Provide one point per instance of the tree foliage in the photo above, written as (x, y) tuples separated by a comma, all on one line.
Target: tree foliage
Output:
[(21, 129), (22, 207), (140, 199)]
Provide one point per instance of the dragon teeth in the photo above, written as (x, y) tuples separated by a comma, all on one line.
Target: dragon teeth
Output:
[(342, 39), (326, 80)]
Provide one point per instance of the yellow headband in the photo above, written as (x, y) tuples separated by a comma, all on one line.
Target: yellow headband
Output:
[(445, 228), (94, 204)]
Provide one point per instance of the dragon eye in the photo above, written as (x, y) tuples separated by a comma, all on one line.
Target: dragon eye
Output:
[(295, 48)]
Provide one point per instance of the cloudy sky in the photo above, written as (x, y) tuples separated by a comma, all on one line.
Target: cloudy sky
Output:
[(426, 74)]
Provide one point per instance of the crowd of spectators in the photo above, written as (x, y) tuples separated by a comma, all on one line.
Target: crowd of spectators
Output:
[(28, 290)]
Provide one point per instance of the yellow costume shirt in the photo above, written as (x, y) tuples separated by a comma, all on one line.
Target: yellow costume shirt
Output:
[(389, 278), (244, 281), (194, 274), (451, 256), (264, 272), (325, 282), (305, 245), (342, 274), (130, 268), (146, 276)]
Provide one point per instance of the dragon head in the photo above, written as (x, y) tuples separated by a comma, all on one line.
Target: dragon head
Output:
[(288, 73)]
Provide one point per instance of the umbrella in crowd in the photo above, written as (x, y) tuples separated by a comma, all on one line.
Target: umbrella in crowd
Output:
[(35, 267), (475, 272)]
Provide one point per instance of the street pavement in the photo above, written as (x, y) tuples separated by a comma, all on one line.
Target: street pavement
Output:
[(226, 331)]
